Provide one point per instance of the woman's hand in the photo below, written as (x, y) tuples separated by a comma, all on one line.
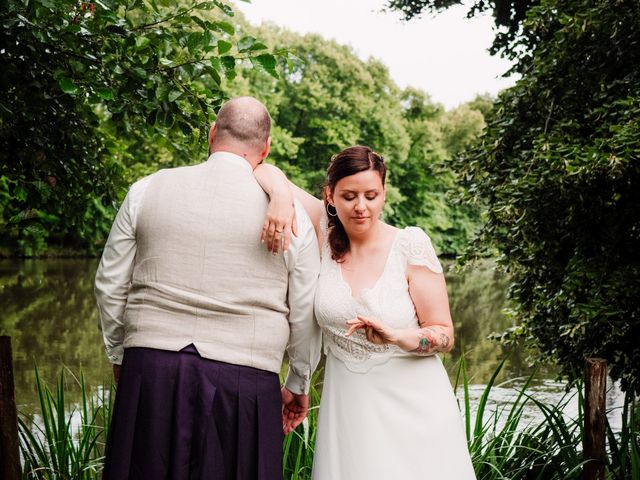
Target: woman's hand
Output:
[(420, 341), (375, 331), (280, 223)]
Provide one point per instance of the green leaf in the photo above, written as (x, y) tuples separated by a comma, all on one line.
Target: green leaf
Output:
[(228, 62), (268, 62), (142, 42), (140, 72), (225, 8), (223, 47), (174, 95), (105, 93), (258, 46), (245, 43), (164, 118), (225, 27), (195, 42), (162, 92), (209, 42), (67, 86), (215, 76)]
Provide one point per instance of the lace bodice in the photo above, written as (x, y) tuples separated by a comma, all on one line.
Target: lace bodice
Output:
[(388, 300)]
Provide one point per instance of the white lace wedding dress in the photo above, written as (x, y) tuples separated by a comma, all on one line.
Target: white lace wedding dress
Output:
[(384, 413)]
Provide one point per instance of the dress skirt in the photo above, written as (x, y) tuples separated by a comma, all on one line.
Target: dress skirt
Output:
[(179, 416), (399, 420)]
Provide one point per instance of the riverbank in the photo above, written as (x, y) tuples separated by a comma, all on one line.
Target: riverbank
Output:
[(65, 439)]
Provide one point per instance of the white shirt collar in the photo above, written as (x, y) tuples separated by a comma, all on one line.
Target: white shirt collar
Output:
[(231, 158)]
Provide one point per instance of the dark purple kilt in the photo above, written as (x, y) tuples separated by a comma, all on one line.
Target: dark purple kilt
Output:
[(179, 416)]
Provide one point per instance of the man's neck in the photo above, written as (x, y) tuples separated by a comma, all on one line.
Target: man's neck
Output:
[(252, 158)]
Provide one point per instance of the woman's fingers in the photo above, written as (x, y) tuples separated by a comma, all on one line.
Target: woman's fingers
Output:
[(354, 325), (275, 235)]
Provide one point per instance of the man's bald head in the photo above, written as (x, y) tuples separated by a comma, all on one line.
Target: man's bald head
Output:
[(243, 120)]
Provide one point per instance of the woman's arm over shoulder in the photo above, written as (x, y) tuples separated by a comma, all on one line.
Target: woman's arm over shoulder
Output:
[(275, 184), (313, 206)]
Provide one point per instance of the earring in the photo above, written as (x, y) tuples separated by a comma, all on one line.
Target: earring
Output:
[(334, 209)]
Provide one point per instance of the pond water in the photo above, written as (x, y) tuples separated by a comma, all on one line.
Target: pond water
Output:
[(47, 307)]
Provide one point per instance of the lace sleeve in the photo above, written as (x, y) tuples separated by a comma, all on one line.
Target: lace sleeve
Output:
[(419, 251)]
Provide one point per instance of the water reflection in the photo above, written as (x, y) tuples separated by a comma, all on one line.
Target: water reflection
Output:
[(49, 311)]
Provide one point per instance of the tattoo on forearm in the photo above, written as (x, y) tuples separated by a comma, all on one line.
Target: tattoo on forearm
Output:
[(425, 347)]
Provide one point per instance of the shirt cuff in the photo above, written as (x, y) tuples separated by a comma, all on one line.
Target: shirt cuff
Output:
[(115, 355), (298, 384)]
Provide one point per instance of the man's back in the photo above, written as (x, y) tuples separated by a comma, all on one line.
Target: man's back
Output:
[(201, 274), (196, 315)]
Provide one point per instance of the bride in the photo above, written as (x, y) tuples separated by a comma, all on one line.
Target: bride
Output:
[(387, 408)]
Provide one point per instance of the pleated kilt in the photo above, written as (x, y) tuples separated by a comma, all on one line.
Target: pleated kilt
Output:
[(179, 416)]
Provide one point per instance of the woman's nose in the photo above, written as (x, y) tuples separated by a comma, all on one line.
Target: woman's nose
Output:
[(360, 204)]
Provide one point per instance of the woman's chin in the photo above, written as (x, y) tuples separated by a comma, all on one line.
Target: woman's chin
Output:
[(359, 225)]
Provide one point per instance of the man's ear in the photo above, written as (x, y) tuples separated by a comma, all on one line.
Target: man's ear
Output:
[(267, 148), (212, 134)]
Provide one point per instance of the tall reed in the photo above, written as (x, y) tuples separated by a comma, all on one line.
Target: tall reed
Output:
[(66, 441)]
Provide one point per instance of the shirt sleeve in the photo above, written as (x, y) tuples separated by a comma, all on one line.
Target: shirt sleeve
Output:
[(113, 277), (304, 337), (419, 250)]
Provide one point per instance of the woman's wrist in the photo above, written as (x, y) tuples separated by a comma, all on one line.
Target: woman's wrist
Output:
[(407, 339), (420, 341)]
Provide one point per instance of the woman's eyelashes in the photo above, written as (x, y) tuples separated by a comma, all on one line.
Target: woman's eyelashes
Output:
[(368, 196)]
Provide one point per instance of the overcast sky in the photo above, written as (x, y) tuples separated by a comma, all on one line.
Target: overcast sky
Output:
[(445, 56)]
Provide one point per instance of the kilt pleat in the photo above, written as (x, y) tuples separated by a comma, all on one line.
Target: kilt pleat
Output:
[(180, 416)]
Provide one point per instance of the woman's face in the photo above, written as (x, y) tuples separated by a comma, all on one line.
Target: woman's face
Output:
[(358, 200)]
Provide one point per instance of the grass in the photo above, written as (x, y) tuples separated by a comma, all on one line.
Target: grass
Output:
[(66, 441)]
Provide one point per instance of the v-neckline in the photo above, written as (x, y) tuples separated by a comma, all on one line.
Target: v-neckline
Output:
[(384, 270)]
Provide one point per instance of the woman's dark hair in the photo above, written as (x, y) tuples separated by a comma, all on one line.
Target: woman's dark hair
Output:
[(348, 162)]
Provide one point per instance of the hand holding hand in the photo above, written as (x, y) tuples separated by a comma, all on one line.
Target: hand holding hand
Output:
[(279, 224), (294, 409)]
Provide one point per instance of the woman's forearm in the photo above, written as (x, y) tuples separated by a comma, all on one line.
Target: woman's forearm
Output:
[(273, 181), (426, 340)]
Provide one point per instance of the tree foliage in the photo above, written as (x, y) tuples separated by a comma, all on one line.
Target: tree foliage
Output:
[(558, 172), (510, 40), (86, 83), (120, 90), (330, 99)]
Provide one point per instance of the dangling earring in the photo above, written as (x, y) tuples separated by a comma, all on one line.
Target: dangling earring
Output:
[(334, 209)]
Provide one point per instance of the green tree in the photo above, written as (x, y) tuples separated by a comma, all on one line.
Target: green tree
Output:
[(426, 180), (331, 99), (82, 84), (508, 15), (558, 172)]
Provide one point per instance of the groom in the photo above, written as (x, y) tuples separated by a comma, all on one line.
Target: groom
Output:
[(198, 313)]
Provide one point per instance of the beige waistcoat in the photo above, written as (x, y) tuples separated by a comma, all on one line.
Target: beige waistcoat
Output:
[(201, 274)]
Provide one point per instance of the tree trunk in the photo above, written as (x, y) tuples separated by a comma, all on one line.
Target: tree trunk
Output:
[(594, 419), (9, 455)]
